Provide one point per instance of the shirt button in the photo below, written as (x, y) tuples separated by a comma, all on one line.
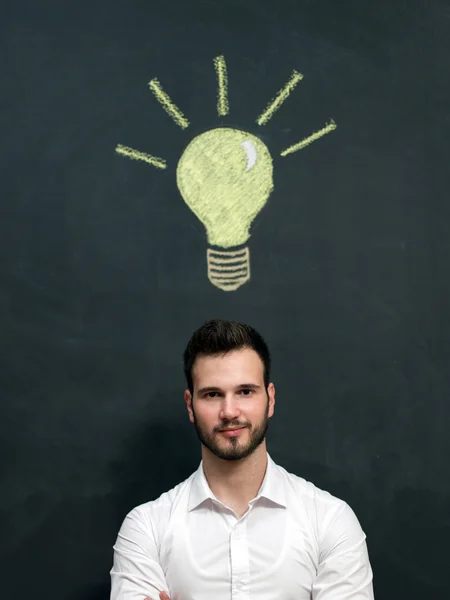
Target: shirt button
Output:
[(239, 585)]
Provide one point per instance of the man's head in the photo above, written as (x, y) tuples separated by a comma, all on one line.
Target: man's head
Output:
[(227, 368)]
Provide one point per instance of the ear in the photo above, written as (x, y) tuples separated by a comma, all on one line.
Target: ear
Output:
[(271, 393), (188, 400)]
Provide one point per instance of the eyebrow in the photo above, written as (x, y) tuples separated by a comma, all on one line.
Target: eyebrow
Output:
[(246, 386)]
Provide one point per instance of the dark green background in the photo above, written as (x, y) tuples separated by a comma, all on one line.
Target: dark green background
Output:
[(103, 270)]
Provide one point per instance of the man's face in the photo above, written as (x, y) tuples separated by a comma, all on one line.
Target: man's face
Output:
[(229, 392)]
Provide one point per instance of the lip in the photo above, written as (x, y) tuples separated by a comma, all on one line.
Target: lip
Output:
[(232, 432)]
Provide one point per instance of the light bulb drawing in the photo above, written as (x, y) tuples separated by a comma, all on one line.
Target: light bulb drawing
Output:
[(225, 177)]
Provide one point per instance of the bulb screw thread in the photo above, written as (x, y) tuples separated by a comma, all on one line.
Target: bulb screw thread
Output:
[(228, 269)]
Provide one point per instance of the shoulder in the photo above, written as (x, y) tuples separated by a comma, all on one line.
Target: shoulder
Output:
[(311, 495), (329, 515), (154, 515)]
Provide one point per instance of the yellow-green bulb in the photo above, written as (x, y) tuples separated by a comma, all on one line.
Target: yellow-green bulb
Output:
[(225, 176)]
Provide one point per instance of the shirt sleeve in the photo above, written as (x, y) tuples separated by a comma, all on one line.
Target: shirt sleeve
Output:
[(136, 573), (344, 571)]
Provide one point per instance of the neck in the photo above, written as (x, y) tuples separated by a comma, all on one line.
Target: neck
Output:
[(235, 481)]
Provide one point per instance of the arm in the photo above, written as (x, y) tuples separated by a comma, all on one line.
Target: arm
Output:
[(344, 571), (136, 573)]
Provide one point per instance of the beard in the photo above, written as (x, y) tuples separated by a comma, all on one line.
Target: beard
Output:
[(233, 448)]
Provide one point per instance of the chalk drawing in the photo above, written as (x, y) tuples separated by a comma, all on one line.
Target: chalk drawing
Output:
[(280, 98), (167, 104), (251, 153), (312, 138), (222, 84), (215, 181), (228, 270), (159, 163), (225, 177)]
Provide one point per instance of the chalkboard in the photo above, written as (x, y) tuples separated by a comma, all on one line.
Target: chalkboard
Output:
[(106, 269)]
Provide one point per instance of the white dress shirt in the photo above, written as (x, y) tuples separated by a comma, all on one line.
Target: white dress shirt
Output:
[(295, 542)]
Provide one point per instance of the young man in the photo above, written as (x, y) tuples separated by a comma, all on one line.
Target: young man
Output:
[(240, 527)]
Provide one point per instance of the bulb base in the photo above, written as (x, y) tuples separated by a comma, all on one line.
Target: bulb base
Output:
[(228, 269)]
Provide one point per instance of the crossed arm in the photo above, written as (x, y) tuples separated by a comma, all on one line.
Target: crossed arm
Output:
[(136, 573), (343, 573)]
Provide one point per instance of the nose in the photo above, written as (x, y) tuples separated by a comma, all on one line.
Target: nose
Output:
[(230, 408)]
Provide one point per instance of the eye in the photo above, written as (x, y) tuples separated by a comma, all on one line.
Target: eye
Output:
[(211, 394), (246, 392)]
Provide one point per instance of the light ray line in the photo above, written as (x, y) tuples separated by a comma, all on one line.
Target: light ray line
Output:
[(308, 140), (167, 104), (159, 163), (280, 98), (222, 82)]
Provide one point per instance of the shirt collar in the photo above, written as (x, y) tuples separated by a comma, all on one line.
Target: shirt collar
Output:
[(272, 487)]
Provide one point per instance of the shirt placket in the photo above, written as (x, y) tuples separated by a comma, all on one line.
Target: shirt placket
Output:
[(240, 569)]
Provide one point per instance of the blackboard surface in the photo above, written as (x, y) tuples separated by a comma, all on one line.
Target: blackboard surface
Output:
[(103, 272)]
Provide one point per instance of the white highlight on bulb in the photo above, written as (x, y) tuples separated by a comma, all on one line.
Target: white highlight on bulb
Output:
[(251, 153)]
